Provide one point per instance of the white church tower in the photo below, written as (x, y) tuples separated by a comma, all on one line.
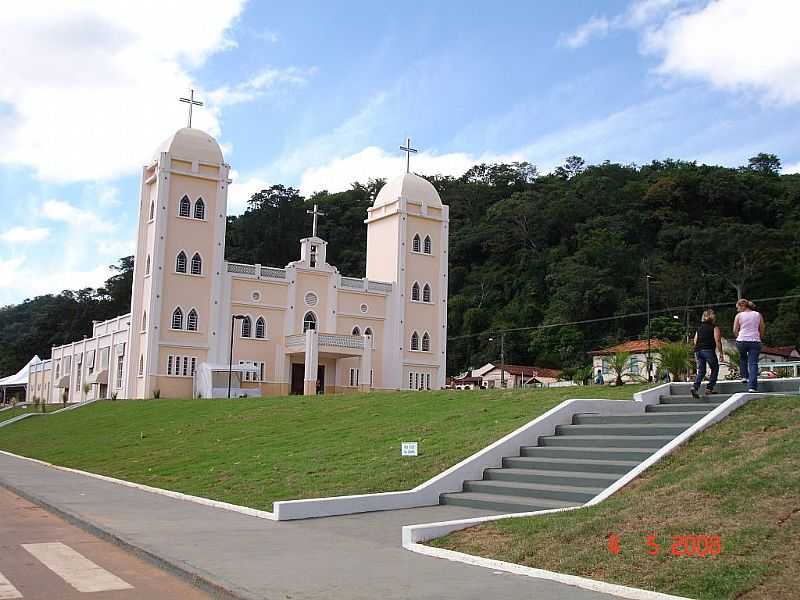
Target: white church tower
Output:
[(407, 244), (175, 306)]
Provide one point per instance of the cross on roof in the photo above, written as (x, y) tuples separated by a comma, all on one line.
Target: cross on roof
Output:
[(316, 214), (409, 151), (192, 103)]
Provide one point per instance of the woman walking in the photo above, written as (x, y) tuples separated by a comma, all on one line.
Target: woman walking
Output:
[(748, 327), (707, 344)]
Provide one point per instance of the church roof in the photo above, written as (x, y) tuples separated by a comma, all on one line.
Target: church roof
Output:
[(192, 144), (410, 186)]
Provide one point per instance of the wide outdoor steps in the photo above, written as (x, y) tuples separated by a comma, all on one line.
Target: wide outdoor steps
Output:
[(580, 460)]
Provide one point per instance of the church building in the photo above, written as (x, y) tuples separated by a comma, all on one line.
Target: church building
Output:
[(302, 328)]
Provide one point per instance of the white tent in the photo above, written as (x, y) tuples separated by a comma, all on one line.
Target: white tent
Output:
[(211, 381), (20, 379)]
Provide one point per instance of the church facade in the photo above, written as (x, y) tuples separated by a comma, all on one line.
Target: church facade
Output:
[(303, 328)]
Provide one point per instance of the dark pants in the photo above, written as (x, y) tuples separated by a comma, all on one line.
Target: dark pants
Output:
[(748, 362), (706, 357)]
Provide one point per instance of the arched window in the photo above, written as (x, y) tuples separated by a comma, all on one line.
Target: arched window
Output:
[(191, 320), (177, 318), (185, 208), (199, 209), (415, 243), (309, 321), (141, 365), (428, 247), (356, 331), (415, 341), (180, 262), (197, 264), (247, 327), (426, 342), (261, 328), (147, 266), (415, 291), (368, 331), (426, 293), (144, 320), (152, 210)]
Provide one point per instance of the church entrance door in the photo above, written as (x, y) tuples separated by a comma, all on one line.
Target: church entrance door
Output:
[(298, 372)]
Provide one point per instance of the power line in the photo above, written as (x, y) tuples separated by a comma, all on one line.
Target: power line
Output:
[(615, 317)]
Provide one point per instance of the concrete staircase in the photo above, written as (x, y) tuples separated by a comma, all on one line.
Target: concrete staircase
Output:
[(582, 459)]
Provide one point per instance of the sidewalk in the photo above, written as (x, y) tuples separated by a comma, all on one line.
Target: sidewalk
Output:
[(348, 558)]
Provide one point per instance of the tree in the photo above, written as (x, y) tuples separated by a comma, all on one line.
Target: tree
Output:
[(574, 165), (765, 164), (619, 363), (676, 357), (665, 328)]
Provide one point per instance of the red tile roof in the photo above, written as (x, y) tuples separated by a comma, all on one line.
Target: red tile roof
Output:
[(784, 351), (529, 371), (632, 346)]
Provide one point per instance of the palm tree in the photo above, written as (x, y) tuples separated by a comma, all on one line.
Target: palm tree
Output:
[(619, 363), (676, 357), (733, 363)]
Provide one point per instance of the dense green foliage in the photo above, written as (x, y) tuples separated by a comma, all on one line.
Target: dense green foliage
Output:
[(530, 250), (248, 451)]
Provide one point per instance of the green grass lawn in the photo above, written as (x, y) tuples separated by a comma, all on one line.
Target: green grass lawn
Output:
[(256, 451), (739, 480), (21, 410)]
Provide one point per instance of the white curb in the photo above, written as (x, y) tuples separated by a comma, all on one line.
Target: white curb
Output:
[(252, 512), (620, 591)]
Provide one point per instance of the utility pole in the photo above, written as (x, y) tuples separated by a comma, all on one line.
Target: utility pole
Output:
[(649, 369), (502, 360)]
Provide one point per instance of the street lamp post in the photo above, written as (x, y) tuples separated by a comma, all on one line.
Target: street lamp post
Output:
[(234, 318), (502, 359)]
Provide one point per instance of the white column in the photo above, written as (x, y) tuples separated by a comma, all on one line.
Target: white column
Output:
[(365, 364), (312, 363)]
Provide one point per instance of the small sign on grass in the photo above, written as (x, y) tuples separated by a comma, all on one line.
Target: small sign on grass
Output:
[(408, 449)]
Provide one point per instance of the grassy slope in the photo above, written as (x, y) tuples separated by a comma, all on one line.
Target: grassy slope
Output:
[(256, 451), (739, 480), (21, 410)]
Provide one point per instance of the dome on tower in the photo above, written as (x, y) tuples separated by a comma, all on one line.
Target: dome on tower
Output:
[(410, 186), (191, 144)]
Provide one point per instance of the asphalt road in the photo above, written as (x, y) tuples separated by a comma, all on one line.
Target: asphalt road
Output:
[(42, 557)]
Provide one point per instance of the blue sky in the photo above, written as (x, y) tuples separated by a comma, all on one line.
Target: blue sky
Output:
[(317, 95)]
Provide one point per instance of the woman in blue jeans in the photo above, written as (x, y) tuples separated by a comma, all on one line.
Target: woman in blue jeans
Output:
[(748, 326), (707, 343)]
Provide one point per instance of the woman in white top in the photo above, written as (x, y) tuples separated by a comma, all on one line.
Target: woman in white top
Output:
[(748, 326)]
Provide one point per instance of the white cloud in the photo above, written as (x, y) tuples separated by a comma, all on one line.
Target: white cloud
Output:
[(258, 84), (795, 168), (18, 280), (64, 212), (375, 163), (736, 45), (21, 235), (596, 27), (115, 249), (241, 190), (91, 86)]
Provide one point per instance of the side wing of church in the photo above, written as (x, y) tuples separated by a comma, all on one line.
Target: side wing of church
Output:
[(299, 329)]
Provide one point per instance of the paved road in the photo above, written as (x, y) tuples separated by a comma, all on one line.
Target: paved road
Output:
[(356, 557), (44, 558)]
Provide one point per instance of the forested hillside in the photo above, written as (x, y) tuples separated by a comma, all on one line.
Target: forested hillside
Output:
[(528, 250)]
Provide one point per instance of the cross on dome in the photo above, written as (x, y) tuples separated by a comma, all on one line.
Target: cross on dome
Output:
[(192, 103), (409, 151), (316, 212)]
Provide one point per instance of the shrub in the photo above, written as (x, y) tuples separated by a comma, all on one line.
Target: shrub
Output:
[(156, 393), (676, 357)]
